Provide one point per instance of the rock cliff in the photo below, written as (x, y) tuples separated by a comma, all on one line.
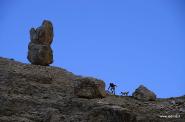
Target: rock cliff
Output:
[(34, 93)]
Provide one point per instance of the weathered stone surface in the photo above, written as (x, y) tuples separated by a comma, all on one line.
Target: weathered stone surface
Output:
[(40, 54), (110, 113), (142, 93), (33, 93), (90, 88), (39, 50)]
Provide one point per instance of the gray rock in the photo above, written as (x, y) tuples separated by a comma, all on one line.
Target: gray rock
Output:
[(180, 102), (52, 116), (39, 50), (142, 93), (182, 110), (90, 88), (108, 113), (173, 102)]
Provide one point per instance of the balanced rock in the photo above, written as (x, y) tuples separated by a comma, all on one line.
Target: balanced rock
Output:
[(87, 87), (39, 50), (142, 93)]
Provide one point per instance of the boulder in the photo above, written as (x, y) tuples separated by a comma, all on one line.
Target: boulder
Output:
[(142, 93), (39, 48), (89, 88)]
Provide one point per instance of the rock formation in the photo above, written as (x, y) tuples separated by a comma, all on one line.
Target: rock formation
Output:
[(90, 88), (142, 93), (32, 93), (39, 49)]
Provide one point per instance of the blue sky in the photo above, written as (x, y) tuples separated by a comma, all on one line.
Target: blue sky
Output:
[(128, 42)]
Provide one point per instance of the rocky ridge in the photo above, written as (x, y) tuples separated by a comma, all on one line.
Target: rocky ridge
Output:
[(33, 93)]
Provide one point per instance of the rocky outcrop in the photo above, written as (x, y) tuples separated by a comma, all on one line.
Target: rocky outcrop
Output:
[(34, 93), (90, 88), (142, 93), (39, 49)]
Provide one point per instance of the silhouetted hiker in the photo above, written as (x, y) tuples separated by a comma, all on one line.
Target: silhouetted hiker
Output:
[(112, 87)]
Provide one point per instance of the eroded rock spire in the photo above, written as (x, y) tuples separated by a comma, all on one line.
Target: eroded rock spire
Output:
[(39, 49)]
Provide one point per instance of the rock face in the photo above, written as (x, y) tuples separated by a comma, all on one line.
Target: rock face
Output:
[(90, 88), (39, 50), (34, 93), (142, 93)]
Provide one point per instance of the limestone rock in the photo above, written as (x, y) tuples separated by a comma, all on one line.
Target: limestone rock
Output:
[(142, 93), (39, 50), (90, 88)]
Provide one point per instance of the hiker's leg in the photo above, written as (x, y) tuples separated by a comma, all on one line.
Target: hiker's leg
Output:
[(114, 90)]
